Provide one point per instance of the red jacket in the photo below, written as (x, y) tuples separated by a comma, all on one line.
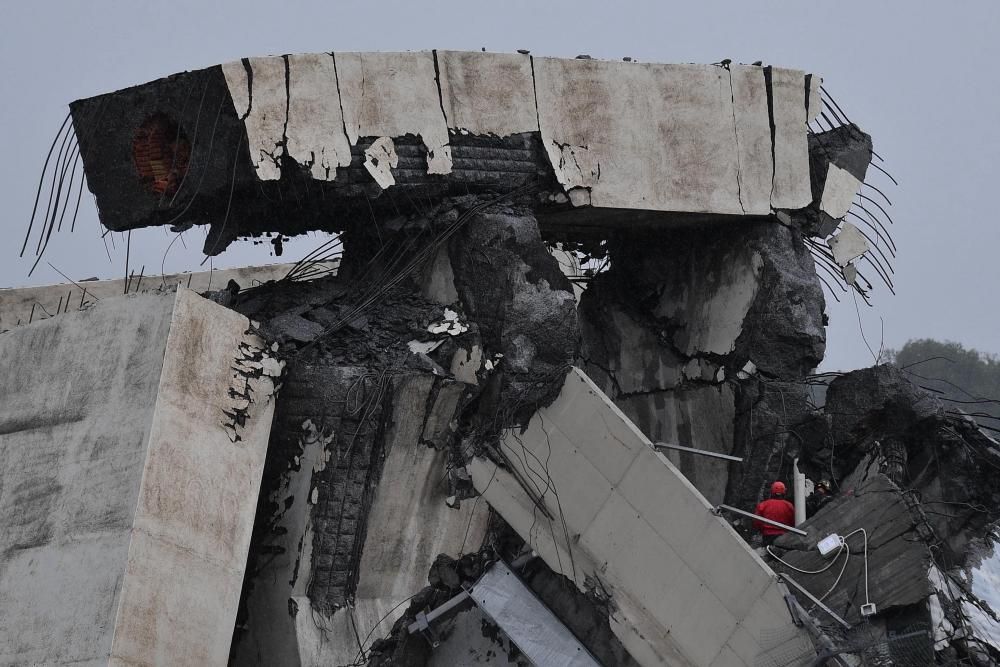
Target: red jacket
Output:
[(775, 509)]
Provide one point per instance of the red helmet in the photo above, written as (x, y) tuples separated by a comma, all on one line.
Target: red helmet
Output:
[(778, 489)]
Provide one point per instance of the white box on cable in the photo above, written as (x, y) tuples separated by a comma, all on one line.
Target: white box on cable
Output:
[(830, 545)]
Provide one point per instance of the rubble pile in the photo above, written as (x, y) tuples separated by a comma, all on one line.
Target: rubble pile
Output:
[(568, 320)]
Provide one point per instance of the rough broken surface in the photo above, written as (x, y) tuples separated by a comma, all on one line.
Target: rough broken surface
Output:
[(523, 304), (670, 327), (896, 552)]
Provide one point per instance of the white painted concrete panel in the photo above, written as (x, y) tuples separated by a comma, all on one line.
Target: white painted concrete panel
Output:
[(238, 82), (392, 94), (171, 604), (728, 658), (76, 400), (558, 470), (315, 132), (815, 103), (703, 621), (606, 444), (838, 191), (487, 93), (198, 498), (129, 506), (791, 146), (848, 244), (265, 123), (647, 136), (742, 643), (752, 122)]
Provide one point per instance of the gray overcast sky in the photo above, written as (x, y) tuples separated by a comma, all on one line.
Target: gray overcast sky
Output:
[(919, 76)]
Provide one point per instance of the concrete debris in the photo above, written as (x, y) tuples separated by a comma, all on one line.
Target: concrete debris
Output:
[(839, 191), (594, 131), (449, 325), (456, 404), (380, 157), (848, 245)]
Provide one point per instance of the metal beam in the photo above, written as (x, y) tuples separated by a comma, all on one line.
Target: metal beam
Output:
[(692, 450)]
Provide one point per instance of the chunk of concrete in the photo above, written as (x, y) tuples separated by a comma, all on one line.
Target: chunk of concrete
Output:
[(127, 507), (380, 157), (849, 244), (838, 191)]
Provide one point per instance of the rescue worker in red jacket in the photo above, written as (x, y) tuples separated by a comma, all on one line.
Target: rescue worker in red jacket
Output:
[(775, 508)]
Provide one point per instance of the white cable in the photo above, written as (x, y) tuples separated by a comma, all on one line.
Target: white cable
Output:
[(864, 533), (789, 565), (842, 569), (843, 548)]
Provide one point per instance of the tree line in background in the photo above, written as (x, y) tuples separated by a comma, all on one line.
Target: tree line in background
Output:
[(965, 379)]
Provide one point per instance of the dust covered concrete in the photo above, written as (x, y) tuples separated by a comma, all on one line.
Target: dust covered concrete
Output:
[(130, 492)]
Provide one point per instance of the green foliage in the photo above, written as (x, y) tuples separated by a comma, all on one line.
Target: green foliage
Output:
[(967, 378)]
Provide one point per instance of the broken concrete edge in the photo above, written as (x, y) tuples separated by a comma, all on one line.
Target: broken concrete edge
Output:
[(22, 305), (286, 111), (467, 97)]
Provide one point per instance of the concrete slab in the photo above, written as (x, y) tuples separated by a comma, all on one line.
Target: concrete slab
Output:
[(668, 608), (126, 503), (791, 146), (316, 137), (752, 122), (265, 121), (848, 244), (392, 94), (487, 93), (21, 305), (838, 191), (648, 136)]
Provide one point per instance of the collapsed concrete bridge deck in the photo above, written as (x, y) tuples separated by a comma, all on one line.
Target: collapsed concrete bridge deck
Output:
[(595, 141), (454, 398)]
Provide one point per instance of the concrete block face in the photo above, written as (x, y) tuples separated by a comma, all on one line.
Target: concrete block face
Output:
[(392, 94), (77, 398), (487, 93), (791, 146), (656, 137), (126, 504)]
